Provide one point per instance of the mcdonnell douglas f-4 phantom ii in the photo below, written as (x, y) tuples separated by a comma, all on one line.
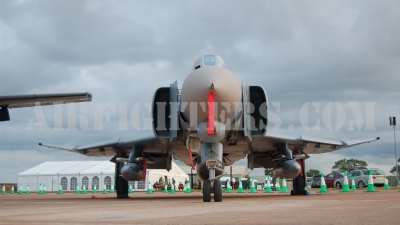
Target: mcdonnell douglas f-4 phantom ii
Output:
[(211, 122)]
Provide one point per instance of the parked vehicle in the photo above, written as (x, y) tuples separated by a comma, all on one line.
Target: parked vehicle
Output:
[(224, 179), (316, 181), (330, 179), (361, 178)]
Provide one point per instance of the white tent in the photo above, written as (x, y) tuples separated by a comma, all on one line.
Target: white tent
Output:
[(71, 174), (175, 172)]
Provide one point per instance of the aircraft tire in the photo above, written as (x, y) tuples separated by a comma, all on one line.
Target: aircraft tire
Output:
[(206, 191), (217, 191)]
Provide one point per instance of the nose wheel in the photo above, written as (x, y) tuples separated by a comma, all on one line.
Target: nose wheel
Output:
[(216, 188), (206, 191), (217, 191)]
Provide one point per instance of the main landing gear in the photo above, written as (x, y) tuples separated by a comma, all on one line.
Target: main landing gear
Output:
[(121, 185), (300, 182)]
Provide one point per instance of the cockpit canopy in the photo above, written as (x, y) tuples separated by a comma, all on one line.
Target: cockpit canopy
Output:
[(208, 60)]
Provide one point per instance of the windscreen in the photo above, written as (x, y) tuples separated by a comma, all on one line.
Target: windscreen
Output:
[(209, 60)]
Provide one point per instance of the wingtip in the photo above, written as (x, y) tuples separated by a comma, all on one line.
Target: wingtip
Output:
[(89, 96), (377, 138), (40, 144)]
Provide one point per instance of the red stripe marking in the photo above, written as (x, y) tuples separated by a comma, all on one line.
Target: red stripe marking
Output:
[(210, 124), (301, 166), (191, 158), (144, 171)]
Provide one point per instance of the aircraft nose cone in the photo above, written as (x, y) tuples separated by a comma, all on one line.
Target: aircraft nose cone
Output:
[(226, 87)]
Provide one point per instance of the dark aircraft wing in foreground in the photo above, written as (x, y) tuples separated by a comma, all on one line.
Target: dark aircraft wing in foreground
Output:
[(21, 101)]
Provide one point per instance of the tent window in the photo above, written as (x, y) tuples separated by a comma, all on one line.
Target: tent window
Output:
[(141, 185), (107, 181), (95, 182), (74, 182), (64, 183), (85, 181)]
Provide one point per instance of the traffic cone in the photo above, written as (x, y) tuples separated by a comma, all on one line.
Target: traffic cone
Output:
[(3, 192), (187, 187), (323, 184), (27, 189), (44, 189), (105, 188), (20, 189), (240, 188), (95, 189), (172, 189), (130, 188), (370, 187), (165, 187), (12, 189), (268, 189), (112, 188), (60, 191), (284, 185), (345, 187), (84, 189), (149, 189), (277, 186), (386, 186), (40, 189), (77, 189), (228, 187), (252, 188), (353, 184)]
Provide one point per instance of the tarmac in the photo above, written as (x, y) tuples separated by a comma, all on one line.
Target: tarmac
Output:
[(333, 207)]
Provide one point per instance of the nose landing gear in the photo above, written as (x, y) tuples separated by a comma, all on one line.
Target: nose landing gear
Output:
[(213, 185)]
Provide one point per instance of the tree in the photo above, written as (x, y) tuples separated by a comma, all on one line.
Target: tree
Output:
[(348, 165), (268, 171), (393, 170), (312, 172)]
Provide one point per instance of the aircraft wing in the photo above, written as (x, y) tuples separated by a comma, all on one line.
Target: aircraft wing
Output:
[(156, 150), (114, 146), (20, 101), (303, 144)]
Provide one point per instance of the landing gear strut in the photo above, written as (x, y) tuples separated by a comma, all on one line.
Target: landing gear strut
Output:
[(300, 182), (121, 185)]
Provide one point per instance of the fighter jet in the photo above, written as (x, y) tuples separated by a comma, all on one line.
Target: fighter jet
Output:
[(20, 101), (211, 122)]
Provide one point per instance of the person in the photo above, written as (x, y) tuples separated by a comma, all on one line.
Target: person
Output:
[(274, 179), (180, 186), (199, 185), (173, 182), (156, 185), (248, 181), (233, 181), (237, 184), (161, 180)]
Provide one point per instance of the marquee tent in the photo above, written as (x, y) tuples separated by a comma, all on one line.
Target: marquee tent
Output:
[(75, 174)]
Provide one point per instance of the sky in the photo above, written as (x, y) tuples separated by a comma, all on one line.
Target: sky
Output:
[(330, 69)]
